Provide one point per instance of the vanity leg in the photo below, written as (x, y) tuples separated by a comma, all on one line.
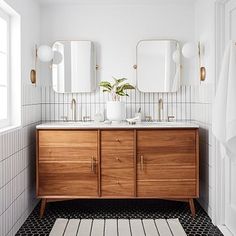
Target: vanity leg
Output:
[(192, 207), (43, 206)]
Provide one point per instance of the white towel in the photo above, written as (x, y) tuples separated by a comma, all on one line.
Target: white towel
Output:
[(224, 106)]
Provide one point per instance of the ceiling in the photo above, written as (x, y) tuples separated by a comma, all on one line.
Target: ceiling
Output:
[(135, 2)]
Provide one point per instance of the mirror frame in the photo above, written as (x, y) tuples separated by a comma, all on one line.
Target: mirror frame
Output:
[(95, 64), (136, 65)]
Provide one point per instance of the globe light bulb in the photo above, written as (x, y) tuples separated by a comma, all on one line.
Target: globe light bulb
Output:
[(45, 53)]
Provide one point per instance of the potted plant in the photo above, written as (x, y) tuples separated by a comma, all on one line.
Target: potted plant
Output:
[(116, 108)]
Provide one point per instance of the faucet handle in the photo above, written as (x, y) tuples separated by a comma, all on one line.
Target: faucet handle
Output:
[(148, 118), (170, 117), (64, 118), (86, 118)]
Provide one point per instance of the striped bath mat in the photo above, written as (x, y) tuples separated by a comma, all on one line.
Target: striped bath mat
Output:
[(117, 227)]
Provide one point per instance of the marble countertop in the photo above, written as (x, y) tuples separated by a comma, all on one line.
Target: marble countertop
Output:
[(122, 125)]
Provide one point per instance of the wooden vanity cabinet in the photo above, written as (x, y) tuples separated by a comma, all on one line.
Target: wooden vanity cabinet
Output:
[(128, 163), (167, 163), (67, 164)]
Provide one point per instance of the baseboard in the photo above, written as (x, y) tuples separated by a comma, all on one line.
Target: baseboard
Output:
[(23, 218), (225, 231)]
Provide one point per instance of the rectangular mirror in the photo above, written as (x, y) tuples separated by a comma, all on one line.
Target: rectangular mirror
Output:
[(73, 67), (158, 66)]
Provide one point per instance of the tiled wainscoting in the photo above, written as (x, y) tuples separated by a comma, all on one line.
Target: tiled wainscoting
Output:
[(55, 106), (17, 165), (202, 114), (17, 153)]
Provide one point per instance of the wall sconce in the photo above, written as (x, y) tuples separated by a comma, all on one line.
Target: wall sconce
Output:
[(45, 54), (191, 50)]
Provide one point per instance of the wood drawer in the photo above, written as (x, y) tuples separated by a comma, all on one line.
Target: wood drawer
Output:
[(121, 182), (67, 179), (84, 140), (166, 142), (118, 174), (113, 141), (117, 188), (118, 161), (150, 172), (166, 189)]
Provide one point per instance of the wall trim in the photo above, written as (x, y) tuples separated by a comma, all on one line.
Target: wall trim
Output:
[(219, 212)]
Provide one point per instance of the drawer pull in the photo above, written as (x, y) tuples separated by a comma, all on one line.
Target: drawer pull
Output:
[(93, 165), (118, 140), (117, 158), (142, 162), (118, 182)]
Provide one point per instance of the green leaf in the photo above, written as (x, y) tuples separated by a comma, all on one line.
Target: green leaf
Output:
[(121, 80), (106, 85), (121, 93), (106, 90), (127, 86), (118, 81)]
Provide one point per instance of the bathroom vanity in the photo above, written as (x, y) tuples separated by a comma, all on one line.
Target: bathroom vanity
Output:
[(88, 160)]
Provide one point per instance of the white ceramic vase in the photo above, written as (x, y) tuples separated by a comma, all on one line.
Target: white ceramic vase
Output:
[(115, 111)]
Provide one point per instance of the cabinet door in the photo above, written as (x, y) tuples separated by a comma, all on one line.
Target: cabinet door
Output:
[(117, 172), (167, 163), (67, 163)]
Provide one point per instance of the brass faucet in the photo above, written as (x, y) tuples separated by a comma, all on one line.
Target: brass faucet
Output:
[(160, 109), (73, 107)]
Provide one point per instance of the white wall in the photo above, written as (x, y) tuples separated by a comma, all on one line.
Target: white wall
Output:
[(202, 103), (116, 30), (17, 147)]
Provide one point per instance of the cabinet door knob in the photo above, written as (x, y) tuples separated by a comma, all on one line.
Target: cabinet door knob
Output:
[(117, 158), (118, 182), (118, 140)]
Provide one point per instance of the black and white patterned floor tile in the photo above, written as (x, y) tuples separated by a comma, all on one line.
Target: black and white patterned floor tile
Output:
[(121, 209)]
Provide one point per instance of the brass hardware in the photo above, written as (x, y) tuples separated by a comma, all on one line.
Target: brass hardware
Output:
[(33, 73), (142, 162), (135, 67), (64, 118), (92, 165), (202, 73), (170, 117), (160, 109), (86, 118), (95, 165), (202, 68), (33, 76), (148, 118), (73, 107)]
